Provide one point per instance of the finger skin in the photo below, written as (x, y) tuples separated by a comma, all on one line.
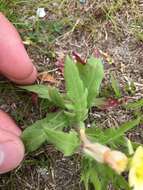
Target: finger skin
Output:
[(14, 60), (29, 80), (13, 150), (10, 143), (7, 124)]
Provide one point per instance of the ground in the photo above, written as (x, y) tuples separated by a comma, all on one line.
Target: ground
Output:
[(113, 27)]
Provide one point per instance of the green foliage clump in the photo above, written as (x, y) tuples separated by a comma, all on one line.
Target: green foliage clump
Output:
[(82, 84)]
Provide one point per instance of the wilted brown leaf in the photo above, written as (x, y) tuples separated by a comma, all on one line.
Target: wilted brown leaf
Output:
[(106, 56), (46, 77)]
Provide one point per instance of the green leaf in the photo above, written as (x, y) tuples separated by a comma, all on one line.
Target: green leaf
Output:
[(120, 183), (99, 102), (100, 176), (56, 97), (47, 92), (135, 105), (110, 135), (41, 90), (34, 135), (74, 85), (94, 179), (67, 143), (109, 176), (85, 172), (92, 74), (85, 179), (89, 174), (115, 86), (75, 89)]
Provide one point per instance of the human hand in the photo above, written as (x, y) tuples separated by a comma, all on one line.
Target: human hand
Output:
[(15, 63), (16, 66)]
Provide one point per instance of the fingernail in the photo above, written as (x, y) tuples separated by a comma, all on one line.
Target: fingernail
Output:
[(2, 155)]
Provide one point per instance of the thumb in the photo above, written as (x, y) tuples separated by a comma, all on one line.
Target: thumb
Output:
[(11, 151), (11, 147)]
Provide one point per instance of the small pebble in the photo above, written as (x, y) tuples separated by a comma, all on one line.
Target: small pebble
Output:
[(82, 1), (41, 12), (88, 125)]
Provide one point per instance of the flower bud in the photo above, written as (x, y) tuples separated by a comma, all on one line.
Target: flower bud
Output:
[(96, 151), (103, 154), (116, 160)]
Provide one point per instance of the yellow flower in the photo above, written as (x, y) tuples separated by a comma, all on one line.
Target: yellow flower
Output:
[(136, 170)]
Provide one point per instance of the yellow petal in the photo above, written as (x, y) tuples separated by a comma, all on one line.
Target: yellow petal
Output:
[(138, 156), (136, 170), (132, 177)]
